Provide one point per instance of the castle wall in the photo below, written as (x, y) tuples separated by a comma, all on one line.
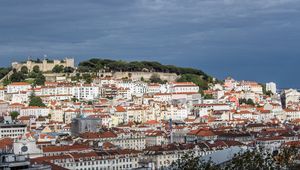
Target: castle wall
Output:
[(139, 75), (45, 65)]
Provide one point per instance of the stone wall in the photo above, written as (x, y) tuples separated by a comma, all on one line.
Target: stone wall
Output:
[(139, 75), (44, 65)]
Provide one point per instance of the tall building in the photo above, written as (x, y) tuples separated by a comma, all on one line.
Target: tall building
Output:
[(271, 87), (81, 125)]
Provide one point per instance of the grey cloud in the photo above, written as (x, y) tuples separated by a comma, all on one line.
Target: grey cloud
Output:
[(219, 36)]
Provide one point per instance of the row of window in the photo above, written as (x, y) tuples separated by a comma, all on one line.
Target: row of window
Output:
[(13, 130), (10, 135), (99, 163)]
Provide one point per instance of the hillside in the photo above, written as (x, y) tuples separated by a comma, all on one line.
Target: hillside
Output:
[(96, 64), (186, 74)]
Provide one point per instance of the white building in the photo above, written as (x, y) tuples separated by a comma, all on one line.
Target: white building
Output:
[(183, 87), (204, 109), (12, 130), (27, 147), (174, 113), (17, 87), (103, 160), (154, 88), (136, 88), (20, 97), (2, 93), (34, 111), (290, 96), (57, 90), (86, 92), (271, 87)]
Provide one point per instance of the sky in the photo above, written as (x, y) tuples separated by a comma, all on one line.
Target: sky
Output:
[(245, 39)]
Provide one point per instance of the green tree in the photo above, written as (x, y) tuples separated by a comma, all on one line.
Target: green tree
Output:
[(24, 70), (6, 81), (58, 69), (245, 101), (87, 78), (285, 158), (198, 80), (36, 101), (155, 78), (208, 96), (4, 72), (83, 69), (250, 102), (17, 77), (191, 162), (269, 93), (69, 70), (74, 99), (95, 64), (14, 114), (264, 88), (129, 75), (36, 69), (40, 79), (252, 159)]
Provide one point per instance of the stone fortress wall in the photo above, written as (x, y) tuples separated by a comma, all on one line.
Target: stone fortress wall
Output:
[(44, 65), (47, 65), (138, 75)]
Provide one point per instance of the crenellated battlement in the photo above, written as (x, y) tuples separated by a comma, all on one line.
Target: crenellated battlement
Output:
[(45, 64)]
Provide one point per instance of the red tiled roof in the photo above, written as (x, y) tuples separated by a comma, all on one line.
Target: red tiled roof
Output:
[(19, 84), (6, 143), (65, 148), (120, 109), (152, 122)]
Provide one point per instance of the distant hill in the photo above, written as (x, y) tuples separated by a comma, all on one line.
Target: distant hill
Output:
[(96, 64), (186, 74)]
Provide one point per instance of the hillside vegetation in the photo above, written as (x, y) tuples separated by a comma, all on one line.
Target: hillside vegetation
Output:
[(96, 64), (186, 74), (4, 71)]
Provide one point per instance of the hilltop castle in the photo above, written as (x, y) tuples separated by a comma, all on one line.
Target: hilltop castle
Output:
[(45, 64)]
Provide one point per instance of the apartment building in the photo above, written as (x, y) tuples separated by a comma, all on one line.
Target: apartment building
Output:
[(12, 130)]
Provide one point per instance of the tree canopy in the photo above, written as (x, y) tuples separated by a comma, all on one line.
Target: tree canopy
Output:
[(14, 114), (36, 69), (187, 74), (24, 70), (40, 79), (96, 64), (256, 158), (69, 70), (197, 79), (155, 78), (246, 101), (4, 71), (36, 101), (17, 77), (191, 162), (58, 69)]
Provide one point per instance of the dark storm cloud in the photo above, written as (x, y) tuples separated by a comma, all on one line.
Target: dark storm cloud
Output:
[(249, 39)]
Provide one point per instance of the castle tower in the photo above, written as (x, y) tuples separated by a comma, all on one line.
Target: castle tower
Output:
[(70, 62)]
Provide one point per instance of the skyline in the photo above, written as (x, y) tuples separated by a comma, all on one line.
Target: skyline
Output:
[(251, 40)]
